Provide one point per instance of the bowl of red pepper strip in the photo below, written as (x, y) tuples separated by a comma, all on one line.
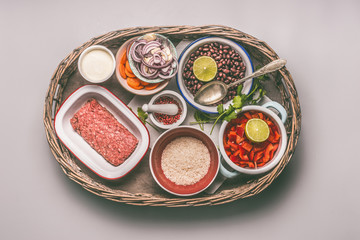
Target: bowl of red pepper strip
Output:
[(245, 156)]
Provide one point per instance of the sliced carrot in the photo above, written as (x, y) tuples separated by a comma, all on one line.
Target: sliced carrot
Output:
[(127, 65), (129, 74), (152, 86), (123, 58), (144, 83), (122, 71), (133, 82), (138, 87)]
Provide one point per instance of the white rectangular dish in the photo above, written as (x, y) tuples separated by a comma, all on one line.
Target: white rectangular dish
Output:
[(81, 149)]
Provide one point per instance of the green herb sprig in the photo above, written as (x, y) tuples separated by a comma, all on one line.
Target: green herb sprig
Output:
[(256, 93), (143, 116)]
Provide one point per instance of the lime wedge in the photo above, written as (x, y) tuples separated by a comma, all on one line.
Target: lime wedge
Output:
[(205, 68), (257, 130)]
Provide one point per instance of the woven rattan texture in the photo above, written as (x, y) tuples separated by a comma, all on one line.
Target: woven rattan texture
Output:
[(258, 50)]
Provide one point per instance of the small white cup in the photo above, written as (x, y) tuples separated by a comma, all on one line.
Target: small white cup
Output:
[(88, 50)]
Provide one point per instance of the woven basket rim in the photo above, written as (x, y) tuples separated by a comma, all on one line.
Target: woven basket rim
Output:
[(62, 72)]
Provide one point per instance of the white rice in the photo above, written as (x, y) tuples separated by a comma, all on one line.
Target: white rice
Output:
[(185, 160)]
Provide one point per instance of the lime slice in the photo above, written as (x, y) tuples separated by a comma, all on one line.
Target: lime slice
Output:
[(257, 130), (205, 68)]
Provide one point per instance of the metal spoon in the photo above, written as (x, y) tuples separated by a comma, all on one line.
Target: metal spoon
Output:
[(215, 91)]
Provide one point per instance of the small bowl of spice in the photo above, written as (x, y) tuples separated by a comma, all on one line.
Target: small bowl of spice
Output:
[(96, 64), (184, 161), (166, 121)]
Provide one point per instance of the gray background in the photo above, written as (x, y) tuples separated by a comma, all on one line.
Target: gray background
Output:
[(317, 195)]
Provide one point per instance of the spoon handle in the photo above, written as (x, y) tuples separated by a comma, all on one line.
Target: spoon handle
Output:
[(268, 68)]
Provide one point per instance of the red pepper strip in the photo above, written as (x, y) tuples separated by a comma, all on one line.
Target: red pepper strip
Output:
[(245, 157), (242, 154), (270, 123), (251, 155), (277, 136), (237, 153), (271, 137), (243, 164), (255, 115), (251, 165), (228, 153), (261, 116), (260, 146), (232, 136), (243, 120), (240, 130), (232, 128), (273, 150), (261, 164), (239, 139), (267, 152), (247, 115), (258, 156), (233, 145), (247, 146), (234, 159), (226, 145)]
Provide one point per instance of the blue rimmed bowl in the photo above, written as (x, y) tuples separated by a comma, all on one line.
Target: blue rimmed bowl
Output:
[(192, 47)]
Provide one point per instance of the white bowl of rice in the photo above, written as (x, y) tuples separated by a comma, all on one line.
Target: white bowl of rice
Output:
[(184, 161)]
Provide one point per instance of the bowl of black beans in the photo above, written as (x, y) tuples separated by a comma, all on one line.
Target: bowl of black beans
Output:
[(233, 63)]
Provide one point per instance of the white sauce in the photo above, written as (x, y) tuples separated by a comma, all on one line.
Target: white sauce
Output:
[(97, 65)]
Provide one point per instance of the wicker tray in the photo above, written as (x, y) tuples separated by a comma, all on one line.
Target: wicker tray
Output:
[(138, 187)]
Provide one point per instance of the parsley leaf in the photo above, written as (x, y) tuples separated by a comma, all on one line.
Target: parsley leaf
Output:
[(142, 115), (237, 102), (220, 108)]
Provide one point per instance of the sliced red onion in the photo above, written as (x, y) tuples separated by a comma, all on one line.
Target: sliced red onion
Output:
[(145, 73), (171, 75), (150, 46), (159, 63), (157, 58), (166, 69), (163, 54)]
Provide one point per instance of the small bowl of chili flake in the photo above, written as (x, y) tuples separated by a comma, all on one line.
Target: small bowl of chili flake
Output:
[(241, 152), (165, 121)]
